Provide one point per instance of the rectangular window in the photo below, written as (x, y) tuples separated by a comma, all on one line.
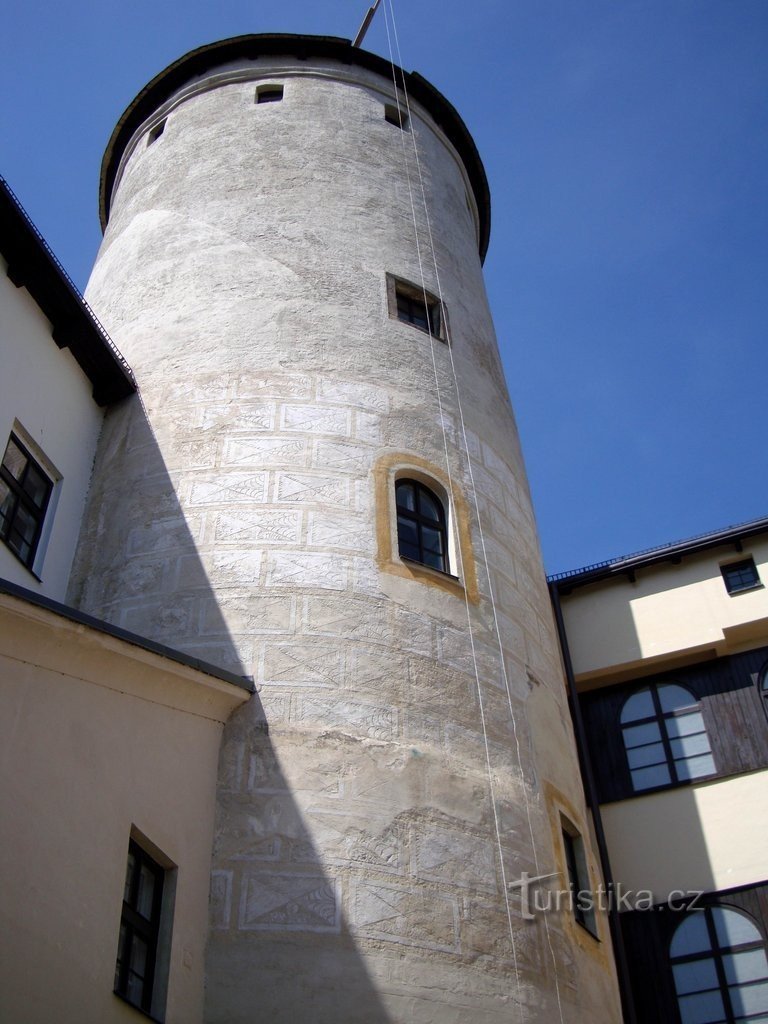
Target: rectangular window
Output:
[(25, 490), (582, 897), (269, 93), (396, 115), (414, 305), (740, 576), (138, 970)]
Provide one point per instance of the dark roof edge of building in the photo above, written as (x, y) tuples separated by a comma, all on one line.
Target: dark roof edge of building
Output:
[(198, 61), (666, 553), (32, 263), (73, 615)]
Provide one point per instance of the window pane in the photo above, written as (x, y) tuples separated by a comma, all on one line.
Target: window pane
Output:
[(434, 560), (639, 705), (432, 540), (750, 965), (695, 977), (749, 998), (641, 757), (14, 460), (695, 767), (706, 1008), (688, 746), (405, 496), (407, 531), (640, 735), (7, 502), (684, 725), (647, 778), (36, 486), (146, 892), (409, 551), (128, 876), (428, 506), (673, 698), (691, 936), (733, 928)]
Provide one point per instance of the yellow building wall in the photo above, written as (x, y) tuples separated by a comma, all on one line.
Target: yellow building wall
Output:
[(708, 837), (670, 611), (97, 736)]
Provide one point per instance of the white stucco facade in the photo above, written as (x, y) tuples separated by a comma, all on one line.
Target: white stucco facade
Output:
[(46, 400)]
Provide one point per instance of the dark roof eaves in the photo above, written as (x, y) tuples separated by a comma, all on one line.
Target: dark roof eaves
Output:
[(198, 61), (654, 556), (32, 263), (81, 618)]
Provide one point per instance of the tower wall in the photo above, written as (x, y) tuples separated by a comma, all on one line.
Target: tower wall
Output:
[(245, 514)]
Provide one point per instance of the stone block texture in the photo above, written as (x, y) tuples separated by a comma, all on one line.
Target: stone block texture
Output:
[(388, 775)]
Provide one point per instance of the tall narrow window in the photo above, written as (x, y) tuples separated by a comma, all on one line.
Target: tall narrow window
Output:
[(421, 527), (582, 900), (664, 737), (24, 494), (720, 968), (139, 928)]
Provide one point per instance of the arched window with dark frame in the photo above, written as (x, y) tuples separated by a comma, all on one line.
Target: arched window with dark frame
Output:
[(422, 534), (720, 968), (664, 736)]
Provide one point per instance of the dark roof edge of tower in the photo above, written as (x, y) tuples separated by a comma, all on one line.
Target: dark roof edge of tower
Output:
[(198, 61), (732, 536), (32, 263)]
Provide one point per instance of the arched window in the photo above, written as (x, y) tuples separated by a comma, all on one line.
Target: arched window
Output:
[(720, 968), (422, 535), (665, 737)]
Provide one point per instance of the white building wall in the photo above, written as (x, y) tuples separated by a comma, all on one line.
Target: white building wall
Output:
[(43, 390)]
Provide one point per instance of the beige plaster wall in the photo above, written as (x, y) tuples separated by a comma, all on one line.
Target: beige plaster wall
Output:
[(44, 389), (709, 836), (669, 611), (97, 736)]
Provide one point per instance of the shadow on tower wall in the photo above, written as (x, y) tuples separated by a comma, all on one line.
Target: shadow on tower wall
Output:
[(279, 947)]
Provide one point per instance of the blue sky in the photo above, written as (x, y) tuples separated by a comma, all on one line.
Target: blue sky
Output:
[(627, 152)]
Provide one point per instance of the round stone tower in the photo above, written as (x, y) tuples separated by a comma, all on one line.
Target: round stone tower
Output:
[(294, 233)]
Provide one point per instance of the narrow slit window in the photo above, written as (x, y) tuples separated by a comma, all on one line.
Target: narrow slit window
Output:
[(269, 93), (582, 900), (155, 133), (394, 114)]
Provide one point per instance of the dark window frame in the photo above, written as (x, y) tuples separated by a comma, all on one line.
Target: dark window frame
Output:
[(23, 503), (420, 523), (578, 876), (417, 307), (136, 926), (740, 577), (716, 952), (660, 717), (396, 115)]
